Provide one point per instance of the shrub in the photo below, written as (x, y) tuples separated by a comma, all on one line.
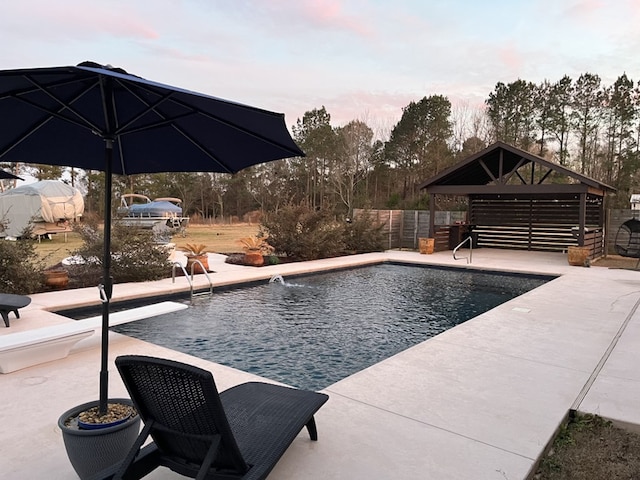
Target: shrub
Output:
[(302, 233), (363, 235), (21, 270), (135, 256), (305, 234)]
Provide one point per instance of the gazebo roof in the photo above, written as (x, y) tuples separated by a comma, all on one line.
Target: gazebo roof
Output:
[(495, 170)]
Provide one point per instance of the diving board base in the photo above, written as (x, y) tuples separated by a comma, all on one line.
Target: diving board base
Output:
[(47, 350), (33, 347)]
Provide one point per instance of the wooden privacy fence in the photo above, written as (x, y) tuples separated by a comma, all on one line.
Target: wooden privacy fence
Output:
[(403, 228)]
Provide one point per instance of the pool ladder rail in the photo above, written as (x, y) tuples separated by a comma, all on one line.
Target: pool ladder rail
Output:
[(190, 279), (455, 250)]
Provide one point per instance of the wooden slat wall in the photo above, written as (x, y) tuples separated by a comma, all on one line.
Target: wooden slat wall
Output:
[(501, 223), (441, 238), (534, 223), (595, 241)]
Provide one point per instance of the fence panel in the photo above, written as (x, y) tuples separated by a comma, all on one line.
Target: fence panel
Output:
[(403, 228)]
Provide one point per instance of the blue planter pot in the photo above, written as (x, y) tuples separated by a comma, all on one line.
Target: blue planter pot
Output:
[(92, 450)]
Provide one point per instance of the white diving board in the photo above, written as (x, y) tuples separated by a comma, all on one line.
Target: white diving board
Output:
[(25, 349)]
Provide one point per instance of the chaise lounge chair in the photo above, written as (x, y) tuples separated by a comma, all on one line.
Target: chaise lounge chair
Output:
[(11, 303), (240, 433)]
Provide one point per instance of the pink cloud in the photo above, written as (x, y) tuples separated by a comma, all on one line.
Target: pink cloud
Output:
[(80, 19), (584, 11), (330, 14), (315, 14), (511, 59)]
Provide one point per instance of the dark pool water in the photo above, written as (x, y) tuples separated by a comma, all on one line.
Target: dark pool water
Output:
[(315, 330)]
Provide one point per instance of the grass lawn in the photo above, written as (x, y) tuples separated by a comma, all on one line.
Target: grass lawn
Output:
[(217, 238)]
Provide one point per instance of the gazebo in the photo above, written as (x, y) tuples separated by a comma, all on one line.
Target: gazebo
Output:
[(521, 201)]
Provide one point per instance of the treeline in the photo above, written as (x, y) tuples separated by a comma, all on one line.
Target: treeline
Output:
[(582, 124)]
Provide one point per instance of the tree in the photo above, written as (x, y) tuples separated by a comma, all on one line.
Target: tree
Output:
[(585, 118), (269, 184), (543, 106), (47, 172), (561, 94), (380, 180), (621, 147), (418, 146), (316, 137), (354, 161), (511, 111)]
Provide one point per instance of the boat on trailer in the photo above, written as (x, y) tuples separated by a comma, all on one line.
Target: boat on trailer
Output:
[(163, 213)]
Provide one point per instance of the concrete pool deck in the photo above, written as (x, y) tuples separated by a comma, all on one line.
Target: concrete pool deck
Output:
[(480, 401)]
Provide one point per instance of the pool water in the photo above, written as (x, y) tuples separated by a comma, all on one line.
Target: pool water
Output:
[(315, 330)]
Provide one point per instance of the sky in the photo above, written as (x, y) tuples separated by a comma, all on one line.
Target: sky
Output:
[(361, 60)]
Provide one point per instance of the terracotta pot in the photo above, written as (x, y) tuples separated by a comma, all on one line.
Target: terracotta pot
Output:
[(197, 268), (254, 259), (577, 256), (56, 279), (427, 245)]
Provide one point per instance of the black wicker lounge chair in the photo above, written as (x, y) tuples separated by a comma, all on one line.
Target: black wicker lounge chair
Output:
[(240, 433)]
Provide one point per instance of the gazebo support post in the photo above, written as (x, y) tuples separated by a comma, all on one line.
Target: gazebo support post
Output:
[(432, 215), (582, 219)]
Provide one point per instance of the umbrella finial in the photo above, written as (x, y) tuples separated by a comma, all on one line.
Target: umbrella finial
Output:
[(108, 66)]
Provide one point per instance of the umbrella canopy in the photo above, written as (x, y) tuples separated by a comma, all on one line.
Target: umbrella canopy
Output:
[(4, 175), (63, 115), (102, 118)]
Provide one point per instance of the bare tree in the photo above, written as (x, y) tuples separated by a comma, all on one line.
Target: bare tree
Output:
[(355, 144)]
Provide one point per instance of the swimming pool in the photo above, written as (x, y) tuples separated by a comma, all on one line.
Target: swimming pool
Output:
[(318, 329)]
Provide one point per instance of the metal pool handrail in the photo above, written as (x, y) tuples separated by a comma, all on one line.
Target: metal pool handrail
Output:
[(470, 240), (190, 280)]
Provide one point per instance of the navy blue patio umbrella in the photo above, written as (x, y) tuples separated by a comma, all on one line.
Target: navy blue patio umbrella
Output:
[(102, 118), (4, 175)]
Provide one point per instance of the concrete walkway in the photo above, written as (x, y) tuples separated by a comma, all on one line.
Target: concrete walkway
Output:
[(480, 401)]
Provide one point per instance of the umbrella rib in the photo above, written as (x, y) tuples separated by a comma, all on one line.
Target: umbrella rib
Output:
[(122, 132), (165, 121), (150, 107), (239, 128), (53, 113), (170, 97), (25, 134), (202, 148), (65, 106)]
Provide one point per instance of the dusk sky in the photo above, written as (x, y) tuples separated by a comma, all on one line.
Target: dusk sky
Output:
[(360, 59)]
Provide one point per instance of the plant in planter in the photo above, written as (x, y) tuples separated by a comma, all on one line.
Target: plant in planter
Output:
[(196, 252), (255, 249)]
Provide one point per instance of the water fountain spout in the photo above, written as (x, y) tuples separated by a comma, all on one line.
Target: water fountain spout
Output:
[(277, 279)]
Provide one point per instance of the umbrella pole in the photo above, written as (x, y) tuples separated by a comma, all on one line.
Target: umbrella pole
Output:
[(106, 289)]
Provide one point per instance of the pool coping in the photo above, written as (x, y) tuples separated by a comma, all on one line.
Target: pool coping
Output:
[(481, 400)]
